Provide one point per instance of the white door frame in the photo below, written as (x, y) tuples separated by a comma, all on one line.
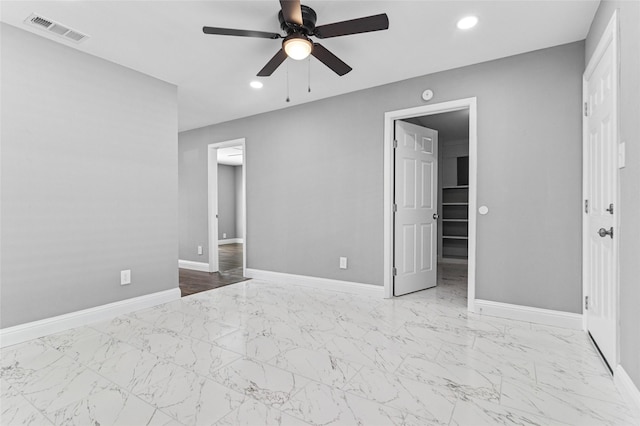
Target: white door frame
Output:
[(212, 195), (609, 37), (389, 118)]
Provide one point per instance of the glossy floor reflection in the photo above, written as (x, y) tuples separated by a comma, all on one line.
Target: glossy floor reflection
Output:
[(255, 353)]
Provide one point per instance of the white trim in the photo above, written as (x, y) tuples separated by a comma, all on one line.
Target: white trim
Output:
[(389, 118), (315, 282), (33, 330), (212, 199), (628, 389), (529, 314), (453, 261), (609, 37), (212, 206), (231, 241), (194, 266)]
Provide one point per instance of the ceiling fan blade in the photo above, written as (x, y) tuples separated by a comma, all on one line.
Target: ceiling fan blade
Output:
[(330, 60), (291, 11), (241, 33), (273, 64), (353, 26)]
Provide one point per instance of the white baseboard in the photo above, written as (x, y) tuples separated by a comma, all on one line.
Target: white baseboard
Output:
[(529, 314), (452, 260), (628, 390), (314, 282), (231, 241), (32, 330), (194, 266)]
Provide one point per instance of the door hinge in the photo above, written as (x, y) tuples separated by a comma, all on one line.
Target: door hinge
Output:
[(610, 209), (586, 206), (395, 207), (394, 271), (586, 303), (395, 143), (586, 109)]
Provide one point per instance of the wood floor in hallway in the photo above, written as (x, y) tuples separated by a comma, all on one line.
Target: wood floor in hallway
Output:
[(230, 262)]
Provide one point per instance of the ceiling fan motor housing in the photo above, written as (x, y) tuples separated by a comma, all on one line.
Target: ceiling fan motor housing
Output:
[(309, 18)]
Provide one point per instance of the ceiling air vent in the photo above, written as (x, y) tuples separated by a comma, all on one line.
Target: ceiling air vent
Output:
[(55, 28)]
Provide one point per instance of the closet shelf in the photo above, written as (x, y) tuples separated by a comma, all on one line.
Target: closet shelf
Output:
[(455, 220), (455, 237)]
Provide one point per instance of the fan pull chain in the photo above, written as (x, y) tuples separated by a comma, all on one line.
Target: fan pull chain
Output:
[(309, 87), (288, 81)]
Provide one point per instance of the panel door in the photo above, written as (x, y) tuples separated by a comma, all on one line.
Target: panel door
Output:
[(600, 186), (415, 197)]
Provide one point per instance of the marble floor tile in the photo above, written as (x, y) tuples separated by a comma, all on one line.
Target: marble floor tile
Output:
[(112, 406), (89, 347), (452, 355), (432, 403), (191, 399), (317, 365), (60, 384), (255, 345), (134, 370), (319, 404), (465, 382), (15, 409), (484, 413), (21, 363), (564, 406), (253, 413), (259, 353), (269, 385)]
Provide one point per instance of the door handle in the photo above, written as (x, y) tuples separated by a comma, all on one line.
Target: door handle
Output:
[(436, 216), (603, 232)]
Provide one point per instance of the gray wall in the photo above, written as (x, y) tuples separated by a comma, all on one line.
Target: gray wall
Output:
[(88, 180), (629, 19), (239, 203), (226, 201), (315, 177), (193, 203)]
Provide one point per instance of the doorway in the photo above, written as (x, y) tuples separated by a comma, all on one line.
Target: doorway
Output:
[(467, 225), (227, 207), (226, 218)]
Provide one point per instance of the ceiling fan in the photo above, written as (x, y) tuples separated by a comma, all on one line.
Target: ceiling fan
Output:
[(299, 22)]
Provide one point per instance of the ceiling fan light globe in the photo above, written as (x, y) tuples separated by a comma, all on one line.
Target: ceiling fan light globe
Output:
[(297, 47)]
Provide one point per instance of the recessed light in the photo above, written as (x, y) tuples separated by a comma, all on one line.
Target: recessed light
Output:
[(256, 84), (467, 22)]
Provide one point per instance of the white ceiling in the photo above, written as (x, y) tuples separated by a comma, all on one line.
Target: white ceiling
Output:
[(231, 156), (164, 39)]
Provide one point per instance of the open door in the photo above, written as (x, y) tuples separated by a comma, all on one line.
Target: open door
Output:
[(600, 194), (416, 206)]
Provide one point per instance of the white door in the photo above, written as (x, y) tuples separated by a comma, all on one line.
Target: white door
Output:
[(415, 199), (600, 209)]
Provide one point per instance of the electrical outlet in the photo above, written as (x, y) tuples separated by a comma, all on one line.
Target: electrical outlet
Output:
[(224, 235), (343, 263), (200, 250), (125, 277)]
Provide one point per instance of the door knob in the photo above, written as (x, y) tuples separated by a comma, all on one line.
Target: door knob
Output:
[(435, 216), (603, 232)]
